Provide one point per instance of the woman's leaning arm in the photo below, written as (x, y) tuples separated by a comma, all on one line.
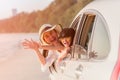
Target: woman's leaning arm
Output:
[(51, 47), (31, 44)]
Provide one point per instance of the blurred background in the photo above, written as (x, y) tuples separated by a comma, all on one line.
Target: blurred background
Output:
[(43, 11), (21, 19)]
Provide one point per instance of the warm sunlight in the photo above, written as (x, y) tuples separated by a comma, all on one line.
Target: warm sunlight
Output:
[(10, 7)]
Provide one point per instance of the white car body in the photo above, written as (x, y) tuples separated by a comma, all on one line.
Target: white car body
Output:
[(104, 39)]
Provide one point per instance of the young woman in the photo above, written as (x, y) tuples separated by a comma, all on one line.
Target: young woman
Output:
[(49, 37)]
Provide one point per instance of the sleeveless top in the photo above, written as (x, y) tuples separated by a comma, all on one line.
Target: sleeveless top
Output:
[(52, 56)]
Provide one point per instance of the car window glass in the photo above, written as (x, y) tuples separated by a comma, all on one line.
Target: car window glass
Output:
[(92, 36), (100, 40)]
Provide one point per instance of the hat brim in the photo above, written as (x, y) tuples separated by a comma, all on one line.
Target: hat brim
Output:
[(57, 28)]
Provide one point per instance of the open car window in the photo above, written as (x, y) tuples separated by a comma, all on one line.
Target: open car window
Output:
[(92, 36)]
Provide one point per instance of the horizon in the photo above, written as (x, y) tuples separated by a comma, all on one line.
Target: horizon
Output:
[(16, 6)]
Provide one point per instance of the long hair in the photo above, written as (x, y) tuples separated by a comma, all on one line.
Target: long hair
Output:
[(52, 67), (45, 53)]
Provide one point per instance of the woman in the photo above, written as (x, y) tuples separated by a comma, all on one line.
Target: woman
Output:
[(48, 36)]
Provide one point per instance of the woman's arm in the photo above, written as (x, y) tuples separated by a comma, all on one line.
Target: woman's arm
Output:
[(30, 44), (45, 61), (51, 47)]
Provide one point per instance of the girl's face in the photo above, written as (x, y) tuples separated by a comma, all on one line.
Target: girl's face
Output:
[(66, 41), (50, 37)]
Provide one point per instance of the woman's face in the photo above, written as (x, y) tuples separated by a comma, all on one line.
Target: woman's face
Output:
[(66, 41), (50, 37)]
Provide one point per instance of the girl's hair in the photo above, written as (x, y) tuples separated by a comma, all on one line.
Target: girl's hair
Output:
[(67, 32)]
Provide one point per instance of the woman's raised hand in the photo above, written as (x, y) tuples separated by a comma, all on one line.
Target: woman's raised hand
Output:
[(30, 44)]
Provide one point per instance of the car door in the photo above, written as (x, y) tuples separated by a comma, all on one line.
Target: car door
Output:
[(92, 36), (116, 71)]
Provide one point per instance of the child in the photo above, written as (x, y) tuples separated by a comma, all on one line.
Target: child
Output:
[(66, 38)]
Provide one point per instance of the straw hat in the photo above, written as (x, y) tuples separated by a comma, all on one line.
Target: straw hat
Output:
[(47, 27)]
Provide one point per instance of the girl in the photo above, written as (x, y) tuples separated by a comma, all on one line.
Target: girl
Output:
[(66, 38)]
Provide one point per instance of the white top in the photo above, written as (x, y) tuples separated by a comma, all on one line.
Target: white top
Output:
[(52, 56)]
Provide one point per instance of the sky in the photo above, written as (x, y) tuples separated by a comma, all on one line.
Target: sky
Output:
[(6, 6)]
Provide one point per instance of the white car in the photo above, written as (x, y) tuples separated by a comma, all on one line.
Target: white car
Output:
[(97, 28)]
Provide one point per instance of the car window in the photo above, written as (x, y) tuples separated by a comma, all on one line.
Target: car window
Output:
[(100, 42), (75, 23), (92, 36)]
